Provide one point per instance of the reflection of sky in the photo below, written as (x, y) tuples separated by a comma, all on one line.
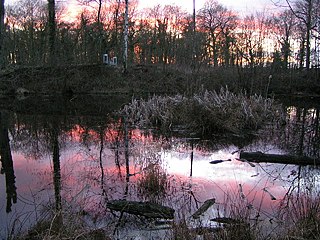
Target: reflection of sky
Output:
[(81, 173), (224, 178)]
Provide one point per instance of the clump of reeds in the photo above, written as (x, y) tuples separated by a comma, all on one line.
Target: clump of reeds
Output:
[(205, 113), (181, 231), (153, 182), (301, 215), (237, 218), (63, 224)]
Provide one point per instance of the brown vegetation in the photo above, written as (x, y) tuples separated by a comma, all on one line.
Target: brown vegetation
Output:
[(203, 114)]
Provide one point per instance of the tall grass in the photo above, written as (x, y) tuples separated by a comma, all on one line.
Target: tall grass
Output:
[(68, 223), (154, 182), (205, 113), (300, 213)]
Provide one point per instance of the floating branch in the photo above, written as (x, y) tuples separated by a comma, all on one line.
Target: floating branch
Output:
[(277, 158), (270, 194), (219, 161), (146, 209)]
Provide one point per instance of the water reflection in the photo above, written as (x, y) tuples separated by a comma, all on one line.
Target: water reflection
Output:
[(81, 163), (54, 142), (6, 162), (302, 134)]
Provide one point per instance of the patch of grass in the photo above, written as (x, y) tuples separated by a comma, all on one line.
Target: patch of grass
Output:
[(62, 225), (205, 113), (301, 215), (181, 231), (154, 181), (237, 218)]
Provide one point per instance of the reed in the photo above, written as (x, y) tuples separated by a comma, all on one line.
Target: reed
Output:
[(206, 113), (300, 213), (154, 182), (63, 224)]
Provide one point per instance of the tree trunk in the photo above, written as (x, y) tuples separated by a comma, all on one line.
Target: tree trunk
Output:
[(99, 12), (309, 29), (52, 31), (125, 50), (2, 31)]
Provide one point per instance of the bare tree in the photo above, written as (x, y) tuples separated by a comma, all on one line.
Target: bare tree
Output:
[(215, 20), (2, 31), (88, 2), (283, 27), (26, 32), (126, 27), (52, 30), (306, 13)]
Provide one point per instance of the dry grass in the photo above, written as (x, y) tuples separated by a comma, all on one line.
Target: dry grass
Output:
[(300, 212), (301, 215), (181, 231), (204, 114), (64, 224), (154, 182)]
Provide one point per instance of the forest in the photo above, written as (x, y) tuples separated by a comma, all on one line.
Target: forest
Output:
[(114, 120), (282, 44)]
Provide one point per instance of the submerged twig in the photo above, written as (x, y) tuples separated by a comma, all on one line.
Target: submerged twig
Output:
[(271, 196)]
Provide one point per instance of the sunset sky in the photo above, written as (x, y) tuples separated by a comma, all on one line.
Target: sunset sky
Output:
[(242, 6)]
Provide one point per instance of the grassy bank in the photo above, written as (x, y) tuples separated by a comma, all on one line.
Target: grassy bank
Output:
[(156, 79)]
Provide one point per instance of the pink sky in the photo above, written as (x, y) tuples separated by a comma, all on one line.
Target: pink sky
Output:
[(241, 6)]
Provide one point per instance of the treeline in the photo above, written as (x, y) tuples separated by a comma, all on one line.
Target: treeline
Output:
[(166, 35)]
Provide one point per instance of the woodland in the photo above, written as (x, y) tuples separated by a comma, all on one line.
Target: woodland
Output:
[(213, 74), (260, 52)]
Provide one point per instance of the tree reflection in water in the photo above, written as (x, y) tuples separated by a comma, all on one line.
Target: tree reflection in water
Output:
[(6, 162), (99, 151), (54, 141)]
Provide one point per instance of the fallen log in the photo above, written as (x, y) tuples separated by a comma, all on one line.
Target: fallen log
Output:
[(204, 207), (277, 158), (146, 209)]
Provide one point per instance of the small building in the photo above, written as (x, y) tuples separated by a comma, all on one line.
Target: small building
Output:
[(109, 61)]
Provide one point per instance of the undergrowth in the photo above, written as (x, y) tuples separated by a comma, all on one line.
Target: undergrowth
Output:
[(205, 113)]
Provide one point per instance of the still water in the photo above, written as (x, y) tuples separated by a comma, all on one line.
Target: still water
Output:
[(77, 162)]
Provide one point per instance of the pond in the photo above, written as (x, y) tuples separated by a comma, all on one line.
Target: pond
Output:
[(77, 159)]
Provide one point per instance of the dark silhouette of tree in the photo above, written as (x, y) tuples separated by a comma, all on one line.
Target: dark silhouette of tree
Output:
[(54, 141), (283, 28), (26, 37), (306, 13), (217, 21), (7, 163), (99, 2), (126, 32), (2, 32), (52, 30)]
